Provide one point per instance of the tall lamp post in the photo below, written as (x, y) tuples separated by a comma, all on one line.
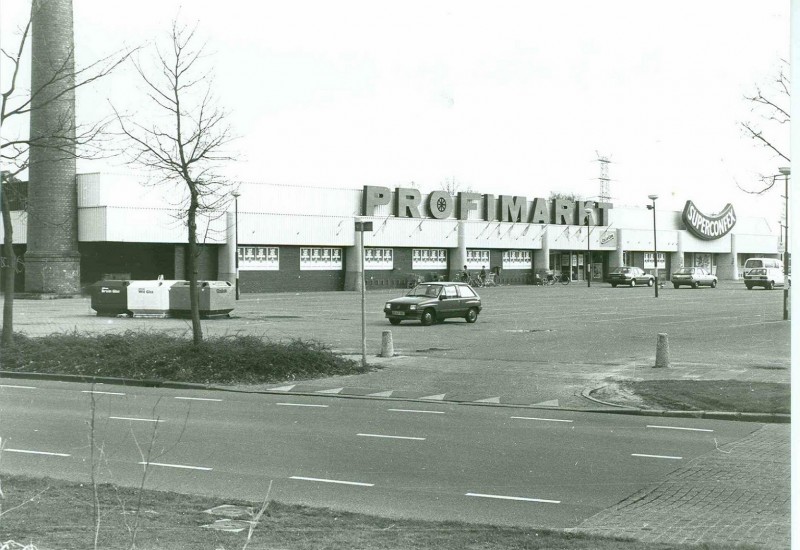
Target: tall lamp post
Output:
[(786, 171), (588, 246), (236, 233), (655, 246)]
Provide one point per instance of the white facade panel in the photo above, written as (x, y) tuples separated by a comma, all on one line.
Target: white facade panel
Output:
[(505, 235), (297, 200), (693, 244), (642, 240), (19, 227), (130, 190), (149, 225), (408, 232), (285, 229), (746, 244), (92, 224)]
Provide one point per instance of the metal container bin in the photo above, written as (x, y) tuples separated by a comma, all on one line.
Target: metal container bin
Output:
[(149, 298), (214, 298), (110, 297)]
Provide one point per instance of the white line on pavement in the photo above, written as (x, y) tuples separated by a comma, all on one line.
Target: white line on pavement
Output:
[(416, 411), (545, 419), (524, 499), (658, 456), (198, 399), (182, 466), (135, 419), (679, 428), (17, 387), (102, 392), (301, 478), (302, 405), (393, 437), (34, 452)]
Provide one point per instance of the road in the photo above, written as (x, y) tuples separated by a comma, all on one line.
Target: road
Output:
[(437, 461)]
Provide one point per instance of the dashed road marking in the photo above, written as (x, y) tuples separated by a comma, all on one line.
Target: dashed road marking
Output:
[(551, 403), (489, 400), (393, 437), (102, 392), (416, 411), (302, 405), (523, 499), (180, 466), (680, 428), (340, 482), (382, 394), (658, 456), (283, 388), (438, 397), (198, 398), (17, 387), (544, 419), (24, 451), (135, 419), (332, 390)]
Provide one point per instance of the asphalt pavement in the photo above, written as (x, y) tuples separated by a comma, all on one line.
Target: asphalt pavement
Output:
[(548, 348)]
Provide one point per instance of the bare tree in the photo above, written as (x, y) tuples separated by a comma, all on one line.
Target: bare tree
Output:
[(63, 137), (185, 142), (771, 108), (453, 186)]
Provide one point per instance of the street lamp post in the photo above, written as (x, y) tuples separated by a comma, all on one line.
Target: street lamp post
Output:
[(655, 245), (786, 171), (236, 233), (588, 246)]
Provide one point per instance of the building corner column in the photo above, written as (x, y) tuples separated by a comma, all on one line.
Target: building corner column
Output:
[(458, 255), (226, 261), (353, 258)]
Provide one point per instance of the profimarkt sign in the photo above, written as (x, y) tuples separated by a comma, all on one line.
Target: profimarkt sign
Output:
[(706, 227)]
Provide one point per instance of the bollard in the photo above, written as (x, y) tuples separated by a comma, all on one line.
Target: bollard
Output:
[(662, 351), (387, 347)]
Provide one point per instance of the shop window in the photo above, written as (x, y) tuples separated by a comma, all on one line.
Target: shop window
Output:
[(648, 260), (259, 258), (429, 258), (320, 259), (378, 258), (517, 259), (477, 259)]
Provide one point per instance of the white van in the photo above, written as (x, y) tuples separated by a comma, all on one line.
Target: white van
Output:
[(763, 272)]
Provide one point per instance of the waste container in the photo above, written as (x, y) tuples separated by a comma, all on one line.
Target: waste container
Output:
[(214, 298), (110, 297), (149, 298)]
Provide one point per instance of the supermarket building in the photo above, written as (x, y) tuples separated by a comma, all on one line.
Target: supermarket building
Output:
[(297, 238)]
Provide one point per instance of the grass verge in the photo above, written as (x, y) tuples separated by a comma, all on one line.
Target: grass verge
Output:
[(713, 395), (58, 514), (237, 359)]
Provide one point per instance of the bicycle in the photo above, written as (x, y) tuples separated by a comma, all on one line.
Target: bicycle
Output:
[(565, 279), (475, 281)]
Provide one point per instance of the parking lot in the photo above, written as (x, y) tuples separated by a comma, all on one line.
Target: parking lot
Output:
[(530, 344)]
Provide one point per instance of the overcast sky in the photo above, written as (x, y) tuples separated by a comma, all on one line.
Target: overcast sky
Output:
[(504, 97)]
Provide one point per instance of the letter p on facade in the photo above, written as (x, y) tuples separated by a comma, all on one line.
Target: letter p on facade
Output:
[(372, 196)]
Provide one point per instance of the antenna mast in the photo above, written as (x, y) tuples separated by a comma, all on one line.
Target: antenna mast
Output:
[(605, 192)]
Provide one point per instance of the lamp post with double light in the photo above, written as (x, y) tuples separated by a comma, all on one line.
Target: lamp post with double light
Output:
[(655, 245), (588, 246), (236, 238), (786, 171)]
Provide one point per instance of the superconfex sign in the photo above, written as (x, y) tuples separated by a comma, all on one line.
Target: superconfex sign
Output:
[(706, 227)]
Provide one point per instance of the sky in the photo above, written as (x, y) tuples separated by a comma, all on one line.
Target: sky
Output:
[(512, 97)]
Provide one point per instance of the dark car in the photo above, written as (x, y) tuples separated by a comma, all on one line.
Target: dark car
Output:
[(630, 276), (432, 302), (694, 277)]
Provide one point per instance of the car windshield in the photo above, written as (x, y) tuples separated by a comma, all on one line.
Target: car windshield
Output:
[(622, 270), (425, 290), (685, 271)]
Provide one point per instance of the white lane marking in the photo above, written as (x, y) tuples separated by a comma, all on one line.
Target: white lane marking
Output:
[(524, 499), (135, 419), (658, 456), (102, 392), (439, 397), (489, 400), (301, 405), (283, 388), (34, 452), (181, 466), (198, 399), (416, 411), (381, 394), (17, 387), (332, 390), (545, 419), (301, 478), (551, 403), (679, 428), (393, 437)]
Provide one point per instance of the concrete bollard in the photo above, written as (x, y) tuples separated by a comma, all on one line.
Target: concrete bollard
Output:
[(662, 351), (387, 346)]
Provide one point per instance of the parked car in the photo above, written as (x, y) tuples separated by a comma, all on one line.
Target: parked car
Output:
[(631, 276), (432, 302), (694, 277), (766, 277)]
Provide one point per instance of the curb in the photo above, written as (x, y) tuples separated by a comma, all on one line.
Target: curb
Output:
[(616, 408)]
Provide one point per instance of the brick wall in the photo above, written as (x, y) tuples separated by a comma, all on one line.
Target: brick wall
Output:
[(289, 277)]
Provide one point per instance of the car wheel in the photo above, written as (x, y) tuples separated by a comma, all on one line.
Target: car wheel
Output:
[(428, 317), (714, 284), (695, 285), (770, 285), (472, 315), (613, 285), (651, 282), (676, 286), (749, 287), (633, 283), (394, 321)]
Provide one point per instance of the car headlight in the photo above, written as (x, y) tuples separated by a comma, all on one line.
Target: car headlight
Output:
[(412, 307), (387, 306)]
